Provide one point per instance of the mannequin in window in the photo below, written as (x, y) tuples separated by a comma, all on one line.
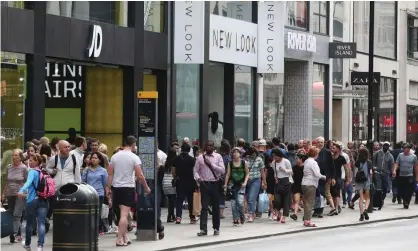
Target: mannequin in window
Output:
[(216, 130)]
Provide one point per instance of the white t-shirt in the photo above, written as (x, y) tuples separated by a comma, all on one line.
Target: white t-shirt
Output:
[(124, 163), (162, 157), (281, 166)]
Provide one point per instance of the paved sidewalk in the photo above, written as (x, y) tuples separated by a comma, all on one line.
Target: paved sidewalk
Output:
[(184, 235)]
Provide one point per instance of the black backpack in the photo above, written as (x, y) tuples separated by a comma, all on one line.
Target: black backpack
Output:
[(72, 157)]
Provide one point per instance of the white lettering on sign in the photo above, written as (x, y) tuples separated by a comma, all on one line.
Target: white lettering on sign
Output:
[(63, 80), (301, 42), (96, 42), (233, 41), (189, 32), (270, 37)]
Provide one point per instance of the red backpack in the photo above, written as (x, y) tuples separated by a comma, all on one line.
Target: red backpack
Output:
[(46, 185)]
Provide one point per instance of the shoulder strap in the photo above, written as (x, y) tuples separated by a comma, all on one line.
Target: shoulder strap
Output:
[(56, 161), (74, 163), (274, 169), (211, 169), (243, 163)]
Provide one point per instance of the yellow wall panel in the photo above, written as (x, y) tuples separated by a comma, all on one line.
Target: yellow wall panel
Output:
[(150, 82)]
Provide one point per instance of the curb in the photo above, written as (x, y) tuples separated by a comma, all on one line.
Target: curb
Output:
[(214, 243)]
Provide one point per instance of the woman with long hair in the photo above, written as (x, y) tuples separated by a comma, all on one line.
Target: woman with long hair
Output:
[(282, 172), (96, 176), (297, 183), (167, 184), (216, 130), (363, 181)]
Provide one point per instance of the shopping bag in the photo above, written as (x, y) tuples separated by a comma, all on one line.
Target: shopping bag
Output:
[(6, 224), (263, 202), (197, 205), (105, 211)]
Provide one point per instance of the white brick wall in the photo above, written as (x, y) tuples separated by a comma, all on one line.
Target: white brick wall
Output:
[(297, 100)]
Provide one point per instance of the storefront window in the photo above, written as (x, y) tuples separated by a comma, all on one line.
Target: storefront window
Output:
[(243, 91), (234, 9), (337, 71), (385, 28), (387, 118), (154, 16), (412, 123), (318, 100), (320, 16), (13, 84), (187, 101), (297, 14), (113, 12), (338, 19), (273, 106), (14, 4)]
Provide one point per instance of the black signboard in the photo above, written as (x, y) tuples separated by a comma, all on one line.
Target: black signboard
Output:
[(147, 152), (64, 85), (342, 50), (362, 78)]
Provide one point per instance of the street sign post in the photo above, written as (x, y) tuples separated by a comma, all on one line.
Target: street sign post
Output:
[(146, 207)]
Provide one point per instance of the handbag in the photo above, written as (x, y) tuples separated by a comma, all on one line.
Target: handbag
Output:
[(220, 180), (197, 205), (168, 184), (283, 185)]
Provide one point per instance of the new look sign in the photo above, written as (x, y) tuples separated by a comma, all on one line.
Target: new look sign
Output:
[(271, 17), (232, 41), (189, 32)]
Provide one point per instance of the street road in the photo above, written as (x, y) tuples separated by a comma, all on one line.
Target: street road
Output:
[(386, 236)]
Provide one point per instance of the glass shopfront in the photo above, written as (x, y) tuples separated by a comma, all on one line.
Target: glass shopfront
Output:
[(13, 84), (243, 87), (318, 100), (154, 16), (387, 114), (273, 106), (86, 98), (187, 101), (412, 123)]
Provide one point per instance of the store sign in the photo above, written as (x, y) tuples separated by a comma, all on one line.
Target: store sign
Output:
[(189, 32), (96, 41), (232, 41), (63, 85), (342, 50), (301, 41), (270, 37), (362, 78)]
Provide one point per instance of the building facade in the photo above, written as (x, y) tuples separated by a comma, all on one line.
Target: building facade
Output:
[(79, 65)]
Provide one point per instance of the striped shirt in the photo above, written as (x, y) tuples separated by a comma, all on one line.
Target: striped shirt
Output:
[(255, 166), (15, 179)]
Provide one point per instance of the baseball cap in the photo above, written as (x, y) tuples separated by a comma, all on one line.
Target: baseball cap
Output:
[(262, 142), (386, 143), (255, 143), (407, 145)]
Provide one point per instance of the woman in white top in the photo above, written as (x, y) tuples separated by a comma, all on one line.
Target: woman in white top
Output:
[(282, 174), (216, 130), (311, 176)]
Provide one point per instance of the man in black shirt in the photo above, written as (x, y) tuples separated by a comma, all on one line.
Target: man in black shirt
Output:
[(340, 164), (185, 183)]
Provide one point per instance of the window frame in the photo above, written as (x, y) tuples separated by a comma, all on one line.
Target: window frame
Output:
[(410, 27), (415, 84), (319, 15), (307, 17), (395, 58)]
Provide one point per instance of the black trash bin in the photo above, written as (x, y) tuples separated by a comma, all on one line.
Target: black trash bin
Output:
[(76, 218)]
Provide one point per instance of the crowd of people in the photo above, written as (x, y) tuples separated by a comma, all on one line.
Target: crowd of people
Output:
[(303, 176)]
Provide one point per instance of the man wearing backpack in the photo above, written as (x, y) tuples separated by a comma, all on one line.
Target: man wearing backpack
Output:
[(63, 167)]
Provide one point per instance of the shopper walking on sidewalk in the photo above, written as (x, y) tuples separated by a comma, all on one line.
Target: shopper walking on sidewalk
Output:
[(311, 177), (363, 181), (407, 163), (208, 169)]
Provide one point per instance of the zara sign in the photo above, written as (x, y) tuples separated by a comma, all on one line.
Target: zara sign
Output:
[(96, 41), (301, 41)]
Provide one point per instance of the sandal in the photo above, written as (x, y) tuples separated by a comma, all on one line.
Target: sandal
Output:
[(121, 244), (308, 224), (283, 220)]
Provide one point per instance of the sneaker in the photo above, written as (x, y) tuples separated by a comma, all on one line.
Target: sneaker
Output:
[(178, 220), (333, 212), (216, 232), (28, 248), (235, 223), (339, 209), (202, 233), (393, 199), (361, 217), (40, 248), (405, 206), (242, 219), (294, 217), (344, 205)]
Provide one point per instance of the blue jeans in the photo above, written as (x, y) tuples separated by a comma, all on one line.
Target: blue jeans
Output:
[(253, 189), (237, 202), (347, 193), (38, 208)]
